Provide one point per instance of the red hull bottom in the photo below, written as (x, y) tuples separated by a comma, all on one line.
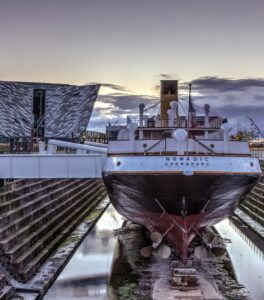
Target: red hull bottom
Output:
[(177, 230)]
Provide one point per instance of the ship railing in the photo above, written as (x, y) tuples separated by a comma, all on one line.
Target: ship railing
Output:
[(180, 122), (258, 153), (211, 151), (154, 145), (169, 145), (216, 123)]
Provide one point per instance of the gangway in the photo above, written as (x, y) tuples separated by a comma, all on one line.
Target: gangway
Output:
[(87, 162)]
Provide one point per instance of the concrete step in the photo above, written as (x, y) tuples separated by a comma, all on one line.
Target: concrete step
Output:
[(23, 198), (15, 184), (6, 293), (42, 210), (18, 236), (46, 195), (24, 189), (33, 232), (255, 208), (34, 242), (261, 184), (77, 217), (251, 199), (37, 215), (253, 214), (259, 191), (34, 257), (2, 281)]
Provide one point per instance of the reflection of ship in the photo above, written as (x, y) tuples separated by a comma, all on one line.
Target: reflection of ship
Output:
[(175, 174)]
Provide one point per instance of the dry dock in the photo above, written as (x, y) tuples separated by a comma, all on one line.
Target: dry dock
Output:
[(42, 222)]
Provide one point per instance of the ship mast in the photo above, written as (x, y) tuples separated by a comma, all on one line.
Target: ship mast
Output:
[(190, 107)]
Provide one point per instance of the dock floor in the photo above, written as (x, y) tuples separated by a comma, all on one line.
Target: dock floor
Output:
[(153, 276), (206, 290)]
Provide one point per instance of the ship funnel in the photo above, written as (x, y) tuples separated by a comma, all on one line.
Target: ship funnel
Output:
[(168, 93)]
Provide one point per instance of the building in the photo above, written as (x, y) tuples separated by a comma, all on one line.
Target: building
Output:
[(45, 110)]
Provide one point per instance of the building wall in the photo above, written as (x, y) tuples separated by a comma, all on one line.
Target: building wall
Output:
[(15, 109), (67, 109)]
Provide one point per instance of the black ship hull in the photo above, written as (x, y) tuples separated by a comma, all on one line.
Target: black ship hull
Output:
[(176, 205)]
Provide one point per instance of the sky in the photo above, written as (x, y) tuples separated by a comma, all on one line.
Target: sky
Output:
[(129, 45)]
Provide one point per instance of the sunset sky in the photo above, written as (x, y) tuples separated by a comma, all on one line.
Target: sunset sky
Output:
[(129, 45)]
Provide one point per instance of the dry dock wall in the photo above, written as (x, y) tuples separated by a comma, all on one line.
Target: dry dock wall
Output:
[(249, 217), (253, 205), (36, 216)]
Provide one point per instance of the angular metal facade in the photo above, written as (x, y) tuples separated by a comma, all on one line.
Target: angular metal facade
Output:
[(15, 109), (68, 110)]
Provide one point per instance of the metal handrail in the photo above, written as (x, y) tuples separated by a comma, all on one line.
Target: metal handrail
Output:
[(181, 123), (38, 123), (152, 146), (257, 152), (203, 145)]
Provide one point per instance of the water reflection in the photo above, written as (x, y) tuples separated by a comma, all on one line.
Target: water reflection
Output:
[(86, 275), (247, 259)]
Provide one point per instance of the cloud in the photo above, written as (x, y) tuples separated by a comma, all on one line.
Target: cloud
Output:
[(164, 76), (259, 97), (238, 116), (231, 98), (157, 88), (112, 86), (220, 84), (115, 107), (115, 87)]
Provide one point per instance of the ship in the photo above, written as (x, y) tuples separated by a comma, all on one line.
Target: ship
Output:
[(177, 175)]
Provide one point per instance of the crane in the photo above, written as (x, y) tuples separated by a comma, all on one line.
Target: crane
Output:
[(255, 125)]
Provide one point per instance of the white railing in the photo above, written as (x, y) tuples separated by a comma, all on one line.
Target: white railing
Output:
[(80, 148), (258, 153), (197, 122), (210, 147), (51, 165)]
